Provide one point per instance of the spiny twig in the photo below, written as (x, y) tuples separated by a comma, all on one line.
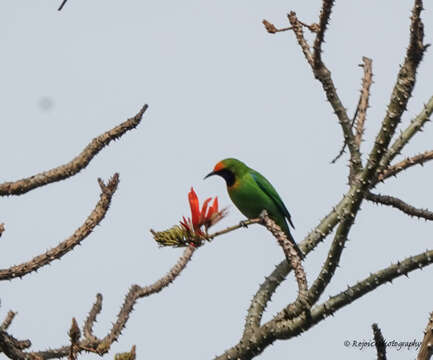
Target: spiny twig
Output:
[(414, 127), (325, 14), (361, 110), (400, 205), (406, 163)]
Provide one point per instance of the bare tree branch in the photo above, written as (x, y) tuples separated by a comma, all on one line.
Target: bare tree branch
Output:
[(75, 165), (400, 205), (361, 110), (285, 329), (406, 163), (67, 245), (415, 126), (325, 14), (91, 319), (322, 73), (271, 283), (102, 346), (380, 342), (401, 93), (426, 350)]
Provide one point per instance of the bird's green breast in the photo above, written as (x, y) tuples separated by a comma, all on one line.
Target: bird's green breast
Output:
[(250, 199)]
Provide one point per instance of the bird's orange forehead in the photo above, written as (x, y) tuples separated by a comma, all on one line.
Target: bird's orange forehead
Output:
[(219, 166)]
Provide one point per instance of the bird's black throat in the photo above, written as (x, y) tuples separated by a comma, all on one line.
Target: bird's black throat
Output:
[(228, 176)]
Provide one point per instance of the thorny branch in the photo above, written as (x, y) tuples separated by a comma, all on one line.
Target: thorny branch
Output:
[(400, 205), (325, 14), (393, 170), (287, 323), (95, 217), (415, 127), (75, 165), (295, 261), (263, 335), (90, 342), (322, 73), (361, 109)]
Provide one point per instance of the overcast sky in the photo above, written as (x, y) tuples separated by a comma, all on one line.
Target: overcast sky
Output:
[(218, 85)]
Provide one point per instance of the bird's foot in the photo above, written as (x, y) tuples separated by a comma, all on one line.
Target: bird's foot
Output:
[(243, 223)]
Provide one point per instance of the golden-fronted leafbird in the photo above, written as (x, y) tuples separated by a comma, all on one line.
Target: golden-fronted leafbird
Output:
[(252, 193)]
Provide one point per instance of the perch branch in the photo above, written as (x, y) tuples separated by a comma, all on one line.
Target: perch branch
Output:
[(292, 256), (75, 165), (67, 245)]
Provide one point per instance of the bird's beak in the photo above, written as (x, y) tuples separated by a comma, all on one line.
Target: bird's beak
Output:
[(210, 174)]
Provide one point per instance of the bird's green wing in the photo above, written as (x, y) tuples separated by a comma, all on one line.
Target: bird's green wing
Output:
[(269, 190)]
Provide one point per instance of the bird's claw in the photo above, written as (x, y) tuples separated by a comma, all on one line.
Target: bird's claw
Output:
[(243, 223)]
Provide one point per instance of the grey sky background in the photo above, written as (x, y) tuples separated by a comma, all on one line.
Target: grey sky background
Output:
[(217, 85)]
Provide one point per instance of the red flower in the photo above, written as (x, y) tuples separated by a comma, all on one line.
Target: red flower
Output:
[(206, 217)]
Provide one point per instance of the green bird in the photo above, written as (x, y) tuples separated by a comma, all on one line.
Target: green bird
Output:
[(252, 193)]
